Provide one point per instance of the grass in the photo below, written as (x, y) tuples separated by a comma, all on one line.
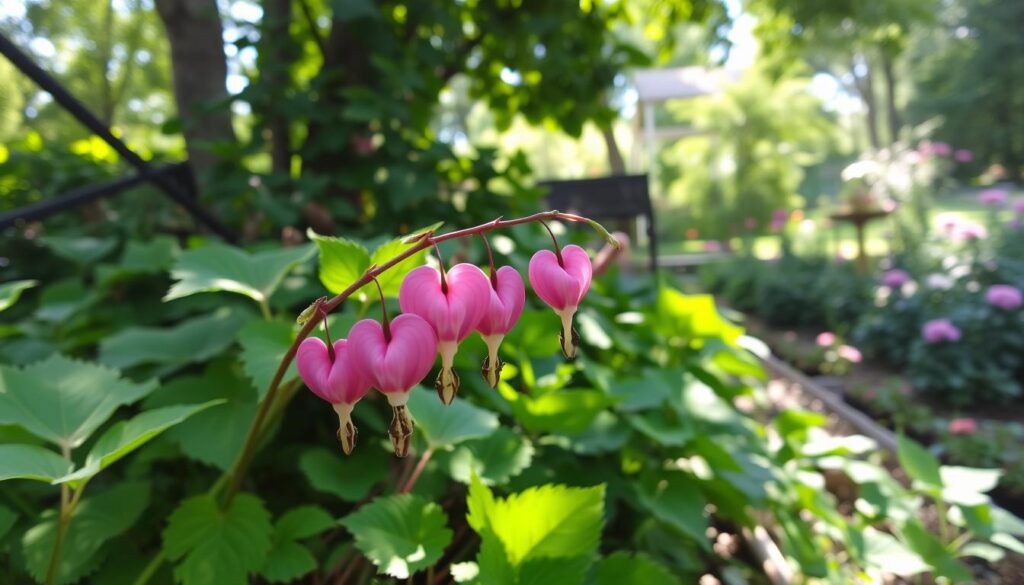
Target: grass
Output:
[(841, 238)]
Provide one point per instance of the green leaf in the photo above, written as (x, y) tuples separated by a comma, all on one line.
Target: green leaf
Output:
[(882, 550), (287, 559), (64, 400), (391, 280), (665, 429), (342, 261), (80, 250), (448, 425), (932, 552), (211, 545), (194, 340), (11, 291), (401, 534), (546, 522), (350, 478), (62, 299), (967, 485), (7, 520), (347, 10), (31, 462), (621, 567), (218, 267), (1008, 542), (264, 344), (97, 519), (127, 436), (495, 458), (156, 255), (215, 435), (674, 498), (562, 411), (919, 464)]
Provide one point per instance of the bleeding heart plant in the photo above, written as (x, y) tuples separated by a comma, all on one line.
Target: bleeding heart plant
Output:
[(561, 278), (507, 297)]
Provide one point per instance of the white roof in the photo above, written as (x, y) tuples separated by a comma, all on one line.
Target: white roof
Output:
[(658, 85)]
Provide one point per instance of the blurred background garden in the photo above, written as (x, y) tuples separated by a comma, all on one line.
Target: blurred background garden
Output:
[(805, 364)]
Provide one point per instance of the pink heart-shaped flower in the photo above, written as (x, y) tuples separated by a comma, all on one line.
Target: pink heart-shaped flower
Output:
[(507, 297), (453, 313), (561, 287), (398, 364), (335, 381)]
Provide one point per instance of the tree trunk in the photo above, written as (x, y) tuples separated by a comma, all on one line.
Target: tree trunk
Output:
[(277, 49), (200, 69), (895, 123), (866, 88), (615, 160)]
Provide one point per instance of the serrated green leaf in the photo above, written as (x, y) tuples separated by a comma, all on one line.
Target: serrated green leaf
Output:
[(302, 522), (127, 436), (550, 521), (448, 425), (401, 534), (211, 545), (218, 267), (31, 462), (193, 340), (64, 400), (621, 567), (264, 344), (97, 519), (342, 261), (391, 280), (563, 411), (350, 478), (10, 292), (919, 464), (674, 498), (495, 458), (215, 435), (287, 561)]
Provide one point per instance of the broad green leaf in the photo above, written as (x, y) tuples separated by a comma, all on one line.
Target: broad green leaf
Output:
[(211, 545), (591, 332), (664, 428), (391, 280), (448, 425), (692, 316), (7, 520), (401, 534), (350, 478), (97, 519), (218, 267), (31, 462), (156, 255), (983, 550), (342, 261), (495, 458), (11, 291), (620, 568), (264, 344), (80, 250), (62, 299), (884, 551), (642, 393), (605, 434), (287, 559), (64, 400), (550, 521), (932, 552), (215, 435), (1003, 521), (1008, 542), (966, 485), (194, 340), (919, 464), (674, 498), (563, 411), (127, 436)]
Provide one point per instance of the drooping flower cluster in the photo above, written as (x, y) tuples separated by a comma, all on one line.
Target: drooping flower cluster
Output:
[(440, 308)]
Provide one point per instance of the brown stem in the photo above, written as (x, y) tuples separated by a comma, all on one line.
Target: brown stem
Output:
[(440, 262), (558, 250), (490, 261), (386, 323), (420, 466), (63, 519), (241, 464)]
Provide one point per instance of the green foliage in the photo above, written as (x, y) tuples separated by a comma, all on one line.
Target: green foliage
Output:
[(11, 291), (449, 425), (31, 462), (621, 567), (63, 400), (193, 340), (217, 267), (676, 500), (401, 534), (494, 458), (349, 478), (264, 343), (215, 545), (343, 261), (289, 560)]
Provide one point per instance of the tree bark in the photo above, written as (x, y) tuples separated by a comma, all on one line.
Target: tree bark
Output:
[(200, 70), (615, 160), (895, 122), (278, 52), (866, 88)]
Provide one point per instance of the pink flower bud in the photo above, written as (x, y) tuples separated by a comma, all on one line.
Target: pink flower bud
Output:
[(394, 365), (453, 307), (963, 426), (336, 380), (507, 297), (562, 286)]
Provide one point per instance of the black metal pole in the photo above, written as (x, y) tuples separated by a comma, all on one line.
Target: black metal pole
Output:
[(52, 205), (80, 112)]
